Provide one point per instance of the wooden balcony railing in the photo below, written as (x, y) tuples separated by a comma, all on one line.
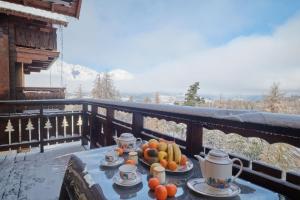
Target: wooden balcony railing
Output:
[(96, 123), (34, 93)]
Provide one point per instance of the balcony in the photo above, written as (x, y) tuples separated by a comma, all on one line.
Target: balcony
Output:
[(34, 93), (95, 122), (36, 47)]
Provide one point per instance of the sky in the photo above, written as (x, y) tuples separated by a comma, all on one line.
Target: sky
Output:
[(230, 47)]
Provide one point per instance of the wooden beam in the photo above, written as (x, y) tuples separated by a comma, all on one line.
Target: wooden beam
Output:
[(70, 9), (35, 58), (24, 60), (37, 51), (29, 16), (78, 9)]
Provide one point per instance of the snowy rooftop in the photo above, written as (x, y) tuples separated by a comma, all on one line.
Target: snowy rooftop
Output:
[(12, 8)]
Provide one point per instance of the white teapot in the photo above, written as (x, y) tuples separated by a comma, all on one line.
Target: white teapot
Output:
[(127, 141), (216, 168)]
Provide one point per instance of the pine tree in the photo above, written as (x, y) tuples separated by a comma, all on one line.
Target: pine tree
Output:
[(191, 97)]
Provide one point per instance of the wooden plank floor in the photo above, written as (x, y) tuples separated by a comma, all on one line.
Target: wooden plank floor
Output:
[(34, 175)]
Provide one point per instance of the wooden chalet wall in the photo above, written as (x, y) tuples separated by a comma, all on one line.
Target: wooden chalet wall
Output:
[(4, 59), (35, 37), (25, 46)]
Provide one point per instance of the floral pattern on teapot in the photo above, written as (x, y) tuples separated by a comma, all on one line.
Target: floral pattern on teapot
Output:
[(216, 168), (219, 183)]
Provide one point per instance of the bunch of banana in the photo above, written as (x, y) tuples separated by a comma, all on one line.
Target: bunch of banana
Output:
[(174, 153), (177, 153), (170, 152)]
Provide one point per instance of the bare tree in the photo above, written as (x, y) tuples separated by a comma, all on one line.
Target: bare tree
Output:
[(157, 98), (104, 88), (130, 99), (273, 101), (97, 91), (147, 100), (79, 93)]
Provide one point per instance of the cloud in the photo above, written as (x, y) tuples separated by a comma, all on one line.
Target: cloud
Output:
[(120, 75), (140, 34), (246, 64), (228, 46)]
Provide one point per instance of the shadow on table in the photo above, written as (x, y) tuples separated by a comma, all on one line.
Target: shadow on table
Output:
[(129, 193)]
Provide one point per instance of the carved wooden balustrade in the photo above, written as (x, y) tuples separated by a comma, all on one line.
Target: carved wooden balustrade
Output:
[(98, 121)]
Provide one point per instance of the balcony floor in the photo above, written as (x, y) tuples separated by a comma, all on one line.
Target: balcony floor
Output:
[(34, 175)]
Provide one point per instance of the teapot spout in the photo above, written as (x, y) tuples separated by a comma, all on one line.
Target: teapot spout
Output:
[(116, 139), (202, 164)]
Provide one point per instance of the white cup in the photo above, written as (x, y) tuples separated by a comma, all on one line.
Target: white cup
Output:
[(132, 155), (128, 172), (111, 156)]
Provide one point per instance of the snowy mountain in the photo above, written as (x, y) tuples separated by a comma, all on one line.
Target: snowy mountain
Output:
[(72, 76)]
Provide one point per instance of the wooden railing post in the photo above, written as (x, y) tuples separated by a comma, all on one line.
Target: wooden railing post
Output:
[(137, 123), (42, 130), (108, 130), (85, 130), (194, 138), (93, 129)]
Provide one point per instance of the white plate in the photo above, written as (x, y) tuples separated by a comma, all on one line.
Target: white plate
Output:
[(198, 185), (180, 168), (104, 163), (117, 180)]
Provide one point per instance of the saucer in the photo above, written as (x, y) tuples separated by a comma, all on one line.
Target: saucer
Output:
[(199, 186), (127, 150), (117, 180), (104, 163)]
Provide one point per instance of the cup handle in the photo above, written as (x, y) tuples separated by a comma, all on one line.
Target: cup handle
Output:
[(241, 168)]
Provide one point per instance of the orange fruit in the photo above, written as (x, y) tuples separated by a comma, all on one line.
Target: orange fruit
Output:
[(152, 183), (153, 144), (183, 160), (146, 156), (164, 163), (145, 146), (119, 150), (171, 190), (161, 192), (129, 161), (172, 165)]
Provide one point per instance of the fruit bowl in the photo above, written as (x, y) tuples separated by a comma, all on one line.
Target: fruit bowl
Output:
[(180, 168), (165, 153)]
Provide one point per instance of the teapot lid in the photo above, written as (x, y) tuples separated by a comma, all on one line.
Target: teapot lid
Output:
[(218, 153), (218, 156), (126, 136)]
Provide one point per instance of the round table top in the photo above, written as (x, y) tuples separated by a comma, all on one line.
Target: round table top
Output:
[(104, 177)]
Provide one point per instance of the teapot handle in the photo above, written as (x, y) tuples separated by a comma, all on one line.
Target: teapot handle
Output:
[(241, 168), (139, 141)]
